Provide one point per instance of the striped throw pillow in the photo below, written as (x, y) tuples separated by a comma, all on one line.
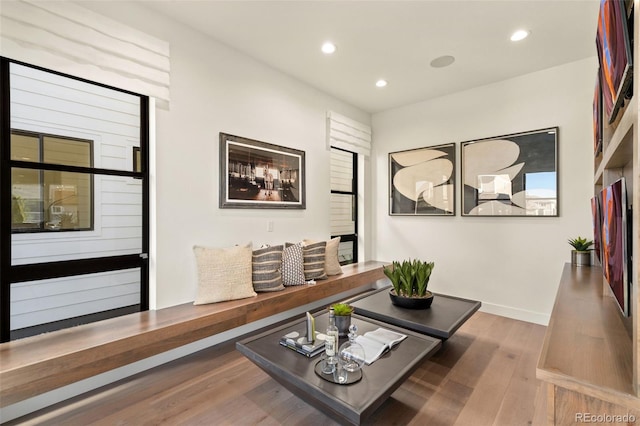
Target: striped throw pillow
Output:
[(313, 261), (266, 275), (331, 260)]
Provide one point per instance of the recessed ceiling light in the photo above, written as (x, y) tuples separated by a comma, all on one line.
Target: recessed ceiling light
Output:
[(381, 83), (443, 61), (328, 48), (519, 35)]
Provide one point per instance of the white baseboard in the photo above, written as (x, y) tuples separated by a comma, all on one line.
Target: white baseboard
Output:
[(518, 314)]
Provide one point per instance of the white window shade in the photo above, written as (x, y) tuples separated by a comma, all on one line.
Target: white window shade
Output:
[(70, 39), (348, 134)]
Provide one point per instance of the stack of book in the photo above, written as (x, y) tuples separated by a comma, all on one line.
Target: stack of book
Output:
[(303, 346)]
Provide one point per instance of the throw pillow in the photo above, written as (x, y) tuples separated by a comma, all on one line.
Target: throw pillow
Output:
[(313, 261), (292, 267), (331, 260), (267, 262), (223, 274)]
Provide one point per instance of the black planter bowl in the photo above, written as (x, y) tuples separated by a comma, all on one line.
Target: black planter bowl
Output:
[(411, 302)]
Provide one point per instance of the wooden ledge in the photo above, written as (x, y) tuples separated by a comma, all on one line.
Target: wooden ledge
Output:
[(39, 364), (587, 348)]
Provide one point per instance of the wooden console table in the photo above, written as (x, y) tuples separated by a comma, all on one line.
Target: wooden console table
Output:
[(587, 357)]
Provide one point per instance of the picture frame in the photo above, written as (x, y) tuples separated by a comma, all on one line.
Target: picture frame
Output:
[(260, 175), (511, 175), (597, 116), (614, 45), (615, 240), (422, 181)]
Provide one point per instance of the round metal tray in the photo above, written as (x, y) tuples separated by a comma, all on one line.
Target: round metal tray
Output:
[(351, 377)]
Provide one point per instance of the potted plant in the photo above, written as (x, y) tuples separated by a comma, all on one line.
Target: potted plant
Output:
[(581, 253), (410, 280), (342, 313)]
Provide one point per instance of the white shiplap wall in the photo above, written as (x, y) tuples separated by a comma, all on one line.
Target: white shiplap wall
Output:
[(47, 103), (56, 299)]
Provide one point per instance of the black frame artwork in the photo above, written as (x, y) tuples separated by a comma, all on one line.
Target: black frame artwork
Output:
[(613, 44), (597, 116), (422, 181), (260, 175), (511, 175)]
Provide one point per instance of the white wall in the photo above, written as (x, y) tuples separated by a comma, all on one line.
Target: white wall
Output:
[(216, 89), (511, 264)]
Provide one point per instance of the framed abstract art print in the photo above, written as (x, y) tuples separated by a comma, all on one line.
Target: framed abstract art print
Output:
[(422, 181), (512, 175)]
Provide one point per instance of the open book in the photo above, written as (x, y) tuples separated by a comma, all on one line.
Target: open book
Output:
[(377, 342)]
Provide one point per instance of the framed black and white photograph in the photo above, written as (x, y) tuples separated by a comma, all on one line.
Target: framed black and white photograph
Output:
[(422, 181), (512, 175), (260, 175)]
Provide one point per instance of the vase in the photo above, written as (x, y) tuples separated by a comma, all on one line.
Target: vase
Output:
[(580, 258), (343, 322), (411, 302)]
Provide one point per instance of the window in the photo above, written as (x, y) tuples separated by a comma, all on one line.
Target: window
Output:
[(50, 200), (344, 211), (74, 201)]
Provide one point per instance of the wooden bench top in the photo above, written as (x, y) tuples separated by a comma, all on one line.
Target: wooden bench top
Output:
[(38, 364)]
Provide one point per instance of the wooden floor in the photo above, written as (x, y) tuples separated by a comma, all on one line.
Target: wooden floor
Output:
[(483, 375)]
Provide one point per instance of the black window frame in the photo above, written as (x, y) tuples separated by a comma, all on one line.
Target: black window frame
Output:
[(353, 238), (11, 274), (37, 166)]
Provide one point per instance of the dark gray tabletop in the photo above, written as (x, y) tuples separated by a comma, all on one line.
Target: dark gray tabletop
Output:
[(441, 320), (351, 403)]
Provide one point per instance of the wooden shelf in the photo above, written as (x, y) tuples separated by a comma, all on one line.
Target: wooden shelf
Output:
[(619, 151), (587, 348)]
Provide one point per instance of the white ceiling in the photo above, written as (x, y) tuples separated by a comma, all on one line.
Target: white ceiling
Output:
[(396, 40)]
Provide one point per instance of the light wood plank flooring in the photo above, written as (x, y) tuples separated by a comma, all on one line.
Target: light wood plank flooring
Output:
[(483, 375)]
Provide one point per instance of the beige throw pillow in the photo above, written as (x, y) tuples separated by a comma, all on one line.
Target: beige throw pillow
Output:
[(223, 274)]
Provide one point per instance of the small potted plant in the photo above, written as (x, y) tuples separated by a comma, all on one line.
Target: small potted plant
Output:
[(410, 280), (581, 253), (342, 313)]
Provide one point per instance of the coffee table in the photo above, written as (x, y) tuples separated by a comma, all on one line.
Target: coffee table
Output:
[(351, 403), (441, 320)]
